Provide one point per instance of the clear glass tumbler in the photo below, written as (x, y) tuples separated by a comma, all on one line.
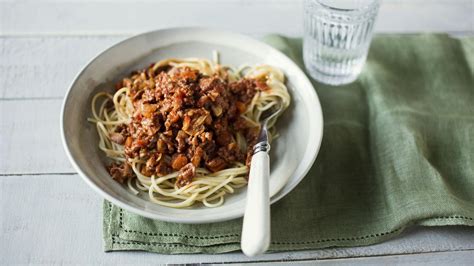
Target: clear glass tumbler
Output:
[(337, 35)]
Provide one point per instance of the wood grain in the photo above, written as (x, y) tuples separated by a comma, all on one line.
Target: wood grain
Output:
[(30, 139), (248, 16), (57, 219), (44, 67), (440, 258)]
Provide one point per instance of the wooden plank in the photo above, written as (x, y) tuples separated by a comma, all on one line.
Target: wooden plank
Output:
[(44, 67), (30, 138), (256, 17), (439, 258), (59, 221)]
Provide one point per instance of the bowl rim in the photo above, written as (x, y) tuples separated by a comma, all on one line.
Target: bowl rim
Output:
[(316, 144)]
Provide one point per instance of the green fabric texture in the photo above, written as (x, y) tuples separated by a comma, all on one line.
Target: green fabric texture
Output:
[(398, 150)]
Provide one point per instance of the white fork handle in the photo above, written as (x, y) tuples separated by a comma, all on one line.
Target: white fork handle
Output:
[(256, 226)]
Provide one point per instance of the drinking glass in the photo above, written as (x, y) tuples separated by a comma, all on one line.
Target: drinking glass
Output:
[(337, 35)]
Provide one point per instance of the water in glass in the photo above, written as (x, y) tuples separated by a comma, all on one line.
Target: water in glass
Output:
[(337, 36)]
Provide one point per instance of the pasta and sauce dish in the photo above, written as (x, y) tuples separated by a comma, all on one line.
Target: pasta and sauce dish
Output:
[(183, 130)]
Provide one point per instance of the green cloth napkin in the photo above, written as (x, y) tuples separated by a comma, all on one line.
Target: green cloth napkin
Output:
[(398, 150)]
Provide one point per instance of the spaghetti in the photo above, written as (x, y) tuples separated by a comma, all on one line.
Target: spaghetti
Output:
[(182, 130)]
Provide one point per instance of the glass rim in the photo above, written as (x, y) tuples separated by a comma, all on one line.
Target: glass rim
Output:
[(373, 4)]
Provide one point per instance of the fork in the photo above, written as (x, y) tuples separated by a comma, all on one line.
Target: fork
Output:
[(256, 225)]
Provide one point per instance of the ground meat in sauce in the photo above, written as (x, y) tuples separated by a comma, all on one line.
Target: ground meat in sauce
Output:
[(120, 172), (184, 120)]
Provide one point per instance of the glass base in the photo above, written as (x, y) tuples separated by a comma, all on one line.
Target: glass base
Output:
[(331, 79)]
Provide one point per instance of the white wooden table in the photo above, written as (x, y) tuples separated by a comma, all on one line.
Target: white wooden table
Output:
[(48, 215)]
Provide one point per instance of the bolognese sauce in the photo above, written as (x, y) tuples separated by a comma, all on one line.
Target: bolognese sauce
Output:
[(184, 120)]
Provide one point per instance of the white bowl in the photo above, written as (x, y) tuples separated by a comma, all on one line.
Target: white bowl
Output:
[(292, 154)]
